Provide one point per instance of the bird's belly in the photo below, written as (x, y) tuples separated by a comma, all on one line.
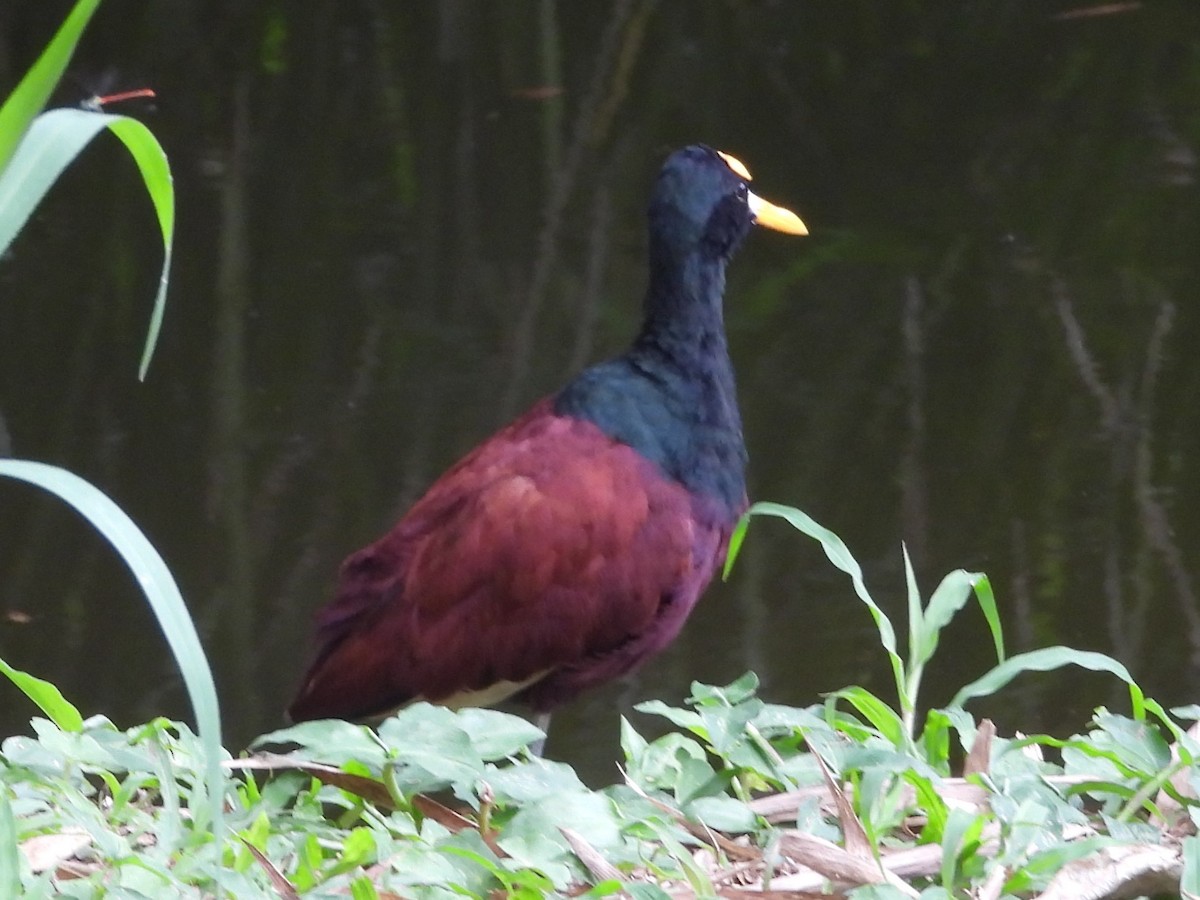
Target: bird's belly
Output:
[(494, 693), (674, 606)]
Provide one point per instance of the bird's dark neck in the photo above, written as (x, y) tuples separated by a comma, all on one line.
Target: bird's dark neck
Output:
[(684, 318), (672, 396)]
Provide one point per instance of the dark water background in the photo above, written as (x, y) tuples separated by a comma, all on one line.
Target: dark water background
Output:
[(400, 223)]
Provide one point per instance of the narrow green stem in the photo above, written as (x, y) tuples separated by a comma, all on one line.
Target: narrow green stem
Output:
[(770, 753), (908, 700)]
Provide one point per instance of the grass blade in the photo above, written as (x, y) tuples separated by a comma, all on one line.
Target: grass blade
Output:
[(51, 144), (30, 96), (160, 589), (916, 616), (152, 162), (987, 604), (1047, 659), (840, 556), (878, 713), (950, 597), (48, 698), (735, 544)]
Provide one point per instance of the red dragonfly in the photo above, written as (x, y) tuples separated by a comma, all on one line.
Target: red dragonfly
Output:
[(97, 103)]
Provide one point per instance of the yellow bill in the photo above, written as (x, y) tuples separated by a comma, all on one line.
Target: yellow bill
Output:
[(775, 217), (766, 214)]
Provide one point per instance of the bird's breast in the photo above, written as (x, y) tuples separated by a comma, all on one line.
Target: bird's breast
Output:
[(689, 429)]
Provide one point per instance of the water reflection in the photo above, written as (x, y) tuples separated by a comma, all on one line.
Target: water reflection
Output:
[(400, 225)]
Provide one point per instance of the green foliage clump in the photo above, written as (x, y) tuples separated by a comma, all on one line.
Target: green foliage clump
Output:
[(846, 795)]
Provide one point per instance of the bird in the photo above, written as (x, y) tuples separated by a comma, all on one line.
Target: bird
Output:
[(570, 546)]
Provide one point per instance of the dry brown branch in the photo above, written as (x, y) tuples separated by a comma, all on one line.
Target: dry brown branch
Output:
[(1115, 873), (601, 868), (282, 886), (853, 832)]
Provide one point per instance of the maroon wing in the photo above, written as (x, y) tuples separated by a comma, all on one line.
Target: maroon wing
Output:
[(551, 555)]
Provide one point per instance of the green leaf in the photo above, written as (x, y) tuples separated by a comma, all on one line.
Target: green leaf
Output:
[(358, 849), (735, 544), (155, 580), (1189, 883), (1051, 860), (660, 765), (47, 697), (495, 734), (533, 838), (774, 718), (645, 890), (1191, 712), (726, 814), (726, 725), (1139, 744), (737, 691), (10, 854), (50, 145), (878, 713), (633, 745), (684, 718), (935, 738), (1083, 756), (431, 749), (950, 597), (962, 830), (916, 617), (695, 778), (532, 781), (466, 863), (332, 741), (841, 557), (1048, 659), (361, 888), (987, 604), (30, 96), (931, 803)]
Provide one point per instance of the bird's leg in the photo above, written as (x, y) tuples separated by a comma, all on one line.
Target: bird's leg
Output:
[(542, 721)]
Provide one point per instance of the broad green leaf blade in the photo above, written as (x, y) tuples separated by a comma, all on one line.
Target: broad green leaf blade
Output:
[(840, 556), (160, 589), (931, 804), (935, 740), (1044, 660), (362, 888), (961, 831), (10, 853), (47, 697), (51, 144), (1184, 743), (1189, 882), (30, 96), (878, 713), (987, 603)]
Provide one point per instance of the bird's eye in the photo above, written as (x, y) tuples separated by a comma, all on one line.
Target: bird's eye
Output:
[(743, 192)]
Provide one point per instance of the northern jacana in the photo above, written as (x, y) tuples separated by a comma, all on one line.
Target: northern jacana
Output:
[(572, 544)]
